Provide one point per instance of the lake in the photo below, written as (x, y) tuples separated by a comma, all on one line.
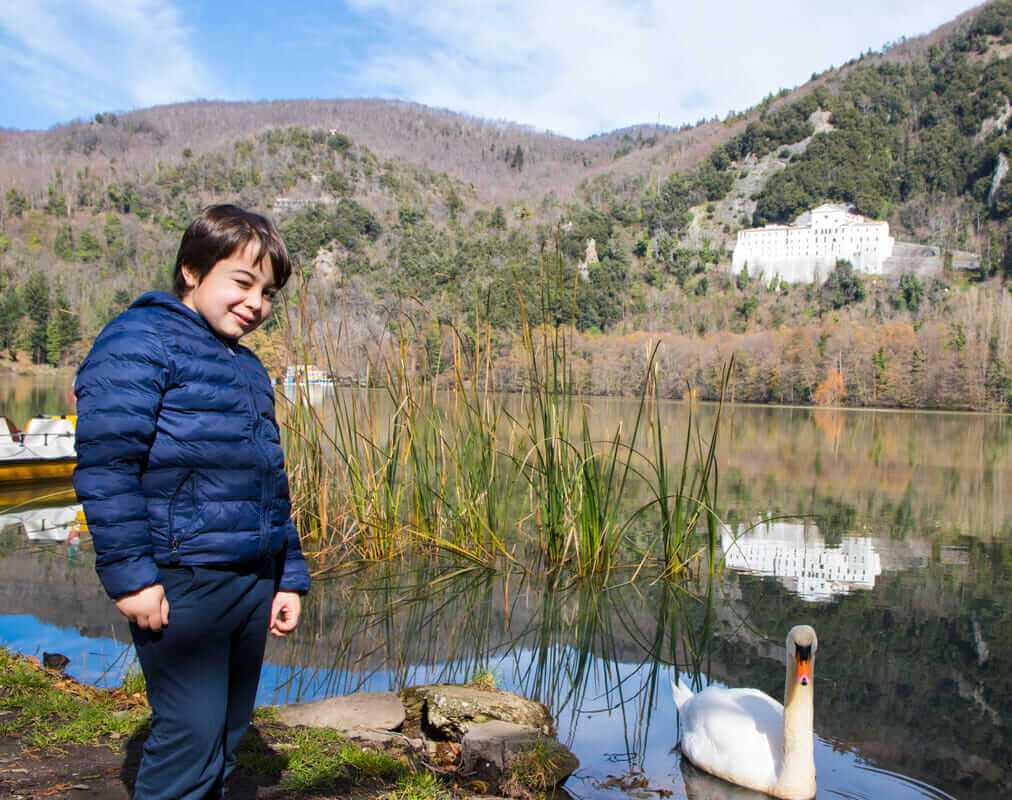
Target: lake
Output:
[(888, 532)]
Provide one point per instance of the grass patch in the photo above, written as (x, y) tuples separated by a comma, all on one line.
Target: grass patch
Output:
[(317, 758), (321, 757), (133, 681), (265, 714), (51, 710), (420, 786), (483, 679), (533, 771)]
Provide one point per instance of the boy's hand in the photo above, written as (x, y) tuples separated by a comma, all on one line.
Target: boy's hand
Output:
[(147, 608), (285, 612)]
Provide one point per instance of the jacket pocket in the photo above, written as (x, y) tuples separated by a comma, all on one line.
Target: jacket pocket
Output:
[(183, 510)]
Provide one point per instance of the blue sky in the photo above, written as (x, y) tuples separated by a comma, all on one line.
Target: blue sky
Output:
[(577, 67)]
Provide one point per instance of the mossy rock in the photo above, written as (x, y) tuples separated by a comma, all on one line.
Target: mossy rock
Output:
[(447, 712)]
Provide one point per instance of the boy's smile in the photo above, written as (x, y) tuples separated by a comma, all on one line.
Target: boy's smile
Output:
[(236, 295)]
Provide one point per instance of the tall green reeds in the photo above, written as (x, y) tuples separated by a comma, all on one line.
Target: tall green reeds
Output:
[(437, 461), (680, 509), (575, 484)]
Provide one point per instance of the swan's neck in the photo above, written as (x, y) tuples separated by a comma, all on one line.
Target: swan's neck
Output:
[(797, 772)]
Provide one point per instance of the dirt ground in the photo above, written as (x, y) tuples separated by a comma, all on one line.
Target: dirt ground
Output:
[(99, 772)]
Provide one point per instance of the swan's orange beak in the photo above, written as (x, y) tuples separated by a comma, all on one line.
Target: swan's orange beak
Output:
[(804, 672), (803, 655)]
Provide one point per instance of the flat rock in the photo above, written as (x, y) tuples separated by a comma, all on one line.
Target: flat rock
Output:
[(449, 711), (496, 745), (361, 711), (366, 736)]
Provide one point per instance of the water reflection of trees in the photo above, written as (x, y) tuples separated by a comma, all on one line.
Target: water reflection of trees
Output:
[(882, 463), (25, 396), (914, 675), (551, 645)]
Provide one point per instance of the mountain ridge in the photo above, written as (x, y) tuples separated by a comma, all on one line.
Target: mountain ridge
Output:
[(381, 201), (168, 129)]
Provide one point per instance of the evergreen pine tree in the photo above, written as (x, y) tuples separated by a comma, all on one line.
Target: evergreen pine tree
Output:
[(998, 378), (741, 280), (88, 249), (35, 299), (10, 314), (115, 242), (64, 324), (517, 161), (54, 345), (63, 245), (23, 336), (56, 205), (17, 203), (918, 362)]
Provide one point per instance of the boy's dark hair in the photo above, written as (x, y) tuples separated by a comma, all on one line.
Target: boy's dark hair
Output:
[(219, 231)]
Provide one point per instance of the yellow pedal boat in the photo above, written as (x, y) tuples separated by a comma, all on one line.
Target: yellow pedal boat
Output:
[(43, 451)]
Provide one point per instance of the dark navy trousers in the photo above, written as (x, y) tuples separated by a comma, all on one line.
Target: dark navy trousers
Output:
[(202, 672)]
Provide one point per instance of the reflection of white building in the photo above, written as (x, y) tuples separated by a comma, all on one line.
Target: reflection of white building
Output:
[(314, 392), (307, 374), (808, 249), (45, 524), (796, 554)]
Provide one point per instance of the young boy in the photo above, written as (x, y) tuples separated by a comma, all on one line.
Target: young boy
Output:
[(181, 474)]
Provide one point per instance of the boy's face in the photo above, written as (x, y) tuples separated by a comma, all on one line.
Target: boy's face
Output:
[(236, 295)]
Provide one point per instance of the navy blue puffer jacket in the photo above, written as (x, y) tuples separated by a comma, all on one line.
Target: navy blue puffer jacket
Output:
[(179, 459)]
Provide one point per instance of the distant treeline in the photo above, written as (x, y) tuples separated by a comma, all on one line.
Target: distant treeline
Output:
[(891, 365)]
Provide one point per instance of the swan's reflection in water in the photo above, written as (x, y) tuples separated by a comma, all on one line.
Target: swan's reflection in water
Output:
[(701, 785), (840, 774)]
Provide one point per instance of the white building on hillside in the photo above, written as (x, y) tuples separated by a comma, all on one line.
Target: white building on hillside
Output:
[(808, 249)]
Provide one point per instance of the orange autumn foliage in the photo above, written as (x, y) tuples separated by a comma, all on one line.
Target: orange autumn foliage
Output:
[(831, 391)]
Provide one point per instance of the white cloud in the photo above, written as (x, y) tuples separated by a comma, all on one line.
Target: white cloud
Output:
[(585, 66), (78, 58)]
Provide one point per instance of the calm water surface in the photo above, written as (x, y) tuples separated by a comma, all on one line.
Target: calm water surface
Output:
[(889, 532)]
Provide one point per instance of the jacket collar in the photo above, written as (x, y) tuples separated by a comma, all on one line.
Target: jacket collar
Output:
[(173, 303)]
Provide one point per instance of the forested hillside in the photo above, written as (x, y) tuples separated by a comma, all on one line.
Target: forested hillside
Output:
[(398, 213)]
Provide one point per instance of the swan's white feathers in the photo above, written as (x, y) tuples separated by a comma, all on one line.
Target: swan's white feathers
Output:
[(681, 693), (736, 734)]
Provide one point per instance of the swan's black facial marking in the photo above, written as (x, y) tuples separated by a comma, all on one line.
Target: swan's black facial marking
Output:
[(801, 646)]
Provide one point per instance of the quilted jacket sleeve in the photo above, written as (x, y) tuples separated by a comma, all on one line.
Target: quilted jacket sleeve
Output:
[(119, 391), (294, 575)]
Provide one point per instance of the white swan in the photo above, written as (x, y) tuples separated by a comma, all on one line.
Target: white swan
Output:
[(746, 737)]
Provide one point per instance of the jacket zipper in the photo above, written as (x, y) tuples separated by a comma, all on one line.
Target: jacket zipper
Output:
[(188, 478)]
